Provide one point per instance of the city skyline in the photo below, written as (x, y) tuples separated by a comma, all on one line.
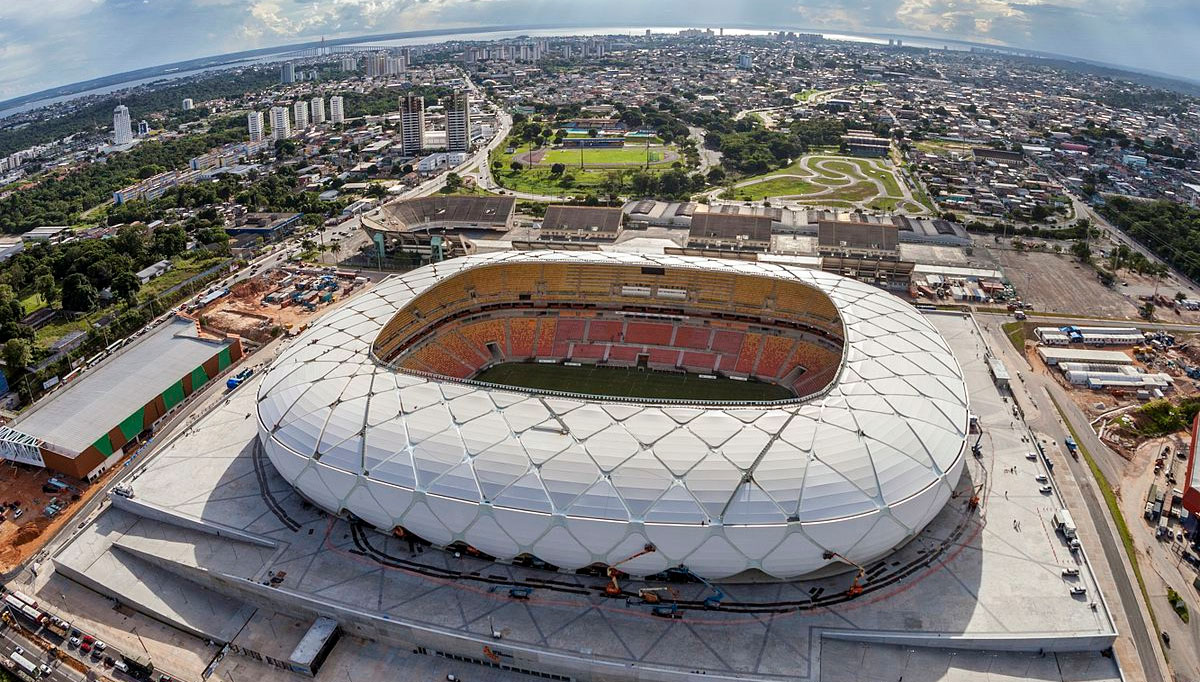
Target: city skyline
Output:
[(1161, 39)]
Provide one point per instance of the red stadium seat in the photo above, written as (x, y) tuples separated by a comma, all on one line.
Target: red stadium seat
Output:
[(693, 337), (647, 333)]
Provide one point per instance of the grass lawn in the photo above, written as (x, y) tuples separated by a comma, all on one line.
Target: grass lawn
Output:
[(884, 203), (46, 336), (540, 181), (859, 191), (182, 270), (629, 155), (1015, 331), (629, 382), (832, 203), (939, 148), (32, 303), (775, 187)]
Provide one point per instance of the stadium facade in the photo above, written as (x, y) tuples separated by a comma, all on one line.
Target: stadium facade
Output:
[(372, 413)]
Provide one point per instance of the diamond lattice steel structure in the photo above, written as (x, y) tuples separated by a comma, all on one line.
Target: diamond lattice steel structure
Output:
[(723, 489)]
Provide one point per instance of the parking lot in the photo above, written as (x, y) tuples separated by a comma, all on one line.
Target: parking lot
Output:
[(1054, 283)]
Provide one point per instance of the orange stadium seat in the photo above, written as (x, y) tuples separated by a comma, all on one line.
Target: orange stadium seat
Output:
[(748, 354), (521, 336), (775, 351)]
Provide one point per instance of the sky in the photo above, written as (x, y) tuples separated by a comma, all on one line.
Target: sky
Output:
[(45, 43)]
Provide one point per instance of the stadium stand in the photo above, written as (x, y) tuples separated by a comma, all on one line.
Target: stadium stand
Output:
[(521, 335), (706, 321)]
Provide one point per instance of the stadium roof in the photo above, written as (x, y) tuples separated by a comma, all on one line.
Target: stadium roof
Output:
[(730, 226), (78, 414), (584, 219), (577, 480), (855, 235)]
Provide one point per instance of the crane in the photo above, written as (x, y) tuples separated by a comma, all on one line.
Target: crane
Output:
[(613, 589), (713, 600), (856, 587)]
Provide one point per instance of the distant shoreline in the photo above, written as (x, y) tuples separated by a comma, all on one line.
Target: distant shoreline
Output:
[(232, 59)]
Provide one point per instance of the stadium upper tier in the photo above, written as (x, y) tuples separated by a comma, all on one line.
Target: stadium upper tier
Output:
[(855, 470), (442, 212)]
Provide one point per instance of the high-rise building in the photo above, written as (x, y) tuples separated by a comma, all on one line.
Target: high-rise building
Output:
[(288, 73), (746, 61), (349, 64), (412, 124), (458, 122), (122, 126), (188, 104), (336, 113), (281, 124), (300, 114), (254, 121), (318, 110), (143, 128), (377, 64)]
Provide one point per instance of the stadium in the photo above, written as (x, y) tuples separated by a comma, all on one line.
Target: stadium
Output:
[(737, 420)]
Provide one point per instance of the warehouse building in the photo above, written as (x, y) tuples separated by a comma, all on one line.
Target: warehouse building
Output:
[(1052, 356), (86, 426)]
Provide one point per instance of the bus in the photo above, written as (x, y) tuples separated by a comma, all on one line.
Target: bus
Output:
[(25, 665)]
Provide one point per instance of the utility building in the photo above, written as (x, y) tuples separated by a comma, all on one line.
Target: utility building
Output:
[(86, 426)]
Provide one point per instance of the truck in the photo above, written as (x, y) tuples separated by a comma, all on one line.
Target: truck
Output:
[(235, 381), (1065, 524), (1072, 447), (138, 666)]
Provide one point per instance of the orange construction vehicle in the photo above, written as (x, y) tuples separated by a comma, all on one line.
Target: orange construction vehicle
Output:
[(856, 587), (613, 589)]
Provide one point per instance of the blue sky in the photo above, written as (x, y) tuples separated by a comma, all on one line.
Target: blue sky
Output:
[(44, 43)]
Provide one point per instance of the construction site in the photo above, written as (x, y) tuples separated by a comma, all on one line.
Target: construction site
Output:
[(277, 302), (34, 504)]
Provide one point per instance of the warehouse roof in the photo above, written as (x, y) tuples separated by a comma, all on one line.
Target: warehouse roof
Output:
[(77, 415), (1105, 357)]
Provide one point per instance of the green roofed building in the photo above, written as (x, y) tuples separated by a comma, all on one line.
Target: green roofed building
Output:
[(88, 424)]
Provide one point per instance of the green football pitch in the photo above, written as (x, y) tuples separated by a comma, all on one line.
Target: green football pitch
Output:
[(627, 155), (629, 382)]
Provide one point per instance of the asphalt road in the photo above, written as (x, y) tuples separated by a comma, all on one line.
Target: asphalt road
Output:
[(1038, 389)]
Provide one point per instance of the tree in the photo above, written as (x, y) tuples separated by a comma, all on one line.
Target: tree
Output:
[(130, 241), (126, 285), (453, 181), (47, 288), (1081, 251), (557, 168), (516, 166), (78, 294), (170, 241), (17, 354), (376, 190)]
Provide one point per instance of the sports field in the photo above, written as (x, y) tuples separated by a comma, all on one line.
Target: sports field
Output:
[(628, 382), (627, 155)]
